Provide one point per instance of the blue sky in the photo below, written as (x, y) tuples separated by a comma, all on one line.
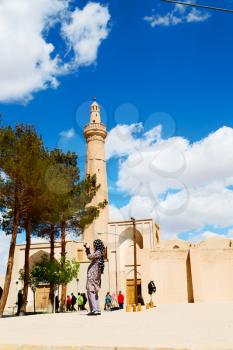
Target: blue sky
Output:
[(157, 65)]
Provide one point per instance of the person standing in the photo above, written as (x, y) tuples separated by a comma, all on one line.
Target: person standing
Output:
[(114, 303), (94, 271), (19, 301), (73, 302), (108, 301), (80, 302), (68, 303), (121, 300), (57, 302), (1, 291)]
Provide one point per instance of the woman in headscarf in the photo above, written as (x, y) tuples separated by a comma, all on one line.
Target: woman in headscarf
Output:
[(94, 271), (114, 303)]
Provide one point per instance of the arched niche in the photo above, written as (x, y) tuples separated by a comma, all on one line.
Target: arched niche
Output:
[(127, 234), (37, 257), (130, 274), (126, 247)]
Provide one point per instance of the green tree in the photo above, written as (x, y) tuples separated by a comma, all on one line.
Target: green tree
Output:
[(51, 272), (11, 190), (34, 160), (23, 162)]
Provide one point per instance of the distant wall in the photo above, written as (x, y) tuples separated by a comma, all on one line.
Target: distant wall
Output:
[(212, 273), (169, 269), (199, 273)]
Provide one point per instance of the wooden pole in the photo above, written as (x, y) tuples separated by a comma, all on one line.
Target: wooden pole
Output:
[(135, 263)]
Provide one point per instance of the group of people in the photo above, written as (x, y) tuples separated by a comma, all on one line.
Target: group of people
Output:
[(71, 302), (81, 300), (114, 302)]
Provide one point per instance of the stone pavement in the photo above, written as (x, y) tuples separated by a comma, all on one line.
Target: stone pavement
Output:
[(176, 326)]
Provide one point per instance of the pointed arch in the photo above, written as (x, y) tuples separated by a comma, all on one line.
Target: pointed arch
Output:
[(37, 257), (127, 234)]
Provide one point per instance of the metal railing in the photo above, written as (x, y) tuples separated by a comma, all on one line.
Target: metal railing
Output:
[(91, 126)]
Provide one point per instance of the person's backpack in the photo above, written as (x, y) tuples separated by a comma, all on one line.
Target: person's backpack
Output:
[(74, 299), (151, 287), (80, 300), (108, 299)]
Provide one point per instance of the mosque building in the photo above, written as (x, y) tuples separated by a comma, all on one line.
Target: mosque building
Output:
[(182, 271)]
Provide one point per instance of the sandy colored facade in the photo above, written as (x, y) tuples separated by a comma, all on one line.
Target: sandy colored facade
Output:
[(183, 272), (95, 134)]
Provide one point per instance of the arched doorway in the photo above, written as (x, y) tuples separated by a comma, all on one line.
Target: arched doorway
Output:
[(42, 291)]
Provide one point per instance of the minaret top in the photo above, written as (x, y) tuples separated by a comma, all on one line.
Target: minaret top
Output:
[(95, 129), (95, 112)]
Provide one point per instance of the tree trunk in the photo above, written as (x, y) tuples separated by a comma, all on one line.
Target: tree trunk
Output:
[(26, 267), (10, 262), (63, 257), (52, 254)]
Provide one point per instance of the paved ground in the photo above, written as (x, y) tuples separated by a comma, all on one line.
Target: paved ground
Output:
[(186, 326)]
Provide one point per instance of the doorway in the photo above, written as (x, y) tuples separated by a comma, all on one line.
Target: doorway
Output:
[(42, 298), (130, 290)]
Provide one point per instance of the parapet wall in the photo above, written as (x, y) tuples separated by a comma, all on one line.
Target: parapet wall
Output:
[(212, 274), (169, 270), (192, 273)]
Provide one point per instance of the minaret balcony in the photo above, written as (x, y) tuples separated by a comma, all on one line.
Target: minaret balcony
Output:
[(95, 129), (94, 126)]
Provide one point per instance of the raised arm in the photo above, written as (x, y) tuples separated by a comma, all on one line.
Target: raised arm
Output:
[(96, 255)]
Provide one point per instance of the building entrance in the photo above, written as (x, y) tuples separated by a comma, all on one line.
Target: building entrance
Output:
[(42, 297), (130, 290)]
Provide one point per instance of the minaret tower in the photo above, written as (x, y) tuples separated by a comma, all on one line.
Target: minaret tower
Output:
[(95, 134)]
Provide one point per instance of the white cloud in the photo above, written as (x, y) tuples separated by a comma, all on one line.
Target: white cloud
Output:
[(209, 234), (26, 64), (184, 186), (68, 134), (86, 30), (179, 14), (196, 16), (125, 139), (181, 212), (172, 163), (29, 62)]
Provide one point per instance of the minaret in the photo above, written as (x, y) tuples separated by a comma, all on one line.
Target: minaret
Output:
[(95, 134)]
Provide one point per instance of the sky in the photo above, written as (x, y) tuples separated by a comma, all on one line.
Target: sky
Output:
[(162, 74)]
